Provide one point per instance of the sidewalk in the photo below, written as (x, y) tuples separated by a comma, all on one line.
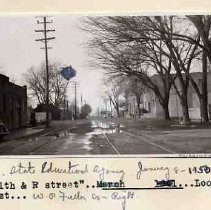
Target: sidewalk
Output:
[(157, 124), (181, 139), (30, 132), (25, 132)]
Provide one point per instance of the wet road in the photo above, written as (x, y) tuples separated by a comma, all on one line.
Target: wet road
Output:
[(91, 136), (84, 137), (106, 136), (67, 138)]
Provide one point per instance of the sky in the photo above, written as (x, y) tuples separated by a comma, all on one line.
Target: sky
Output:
[(19, 51)]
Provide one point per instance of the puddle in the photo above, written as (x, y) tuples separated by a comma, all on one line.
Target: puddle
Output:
[(71, 134), (104, 125), (183, 126), (112, 131), (86, 142), (94, 124), (107, 127), (98, 129)]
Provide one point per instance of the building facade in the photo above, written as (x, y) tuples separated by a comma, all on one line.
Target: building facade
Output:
[(13, 103), (152, 105)]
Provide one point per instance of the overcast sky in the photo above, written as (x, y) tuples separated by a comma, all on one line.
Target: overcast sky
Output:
[(19, 51)]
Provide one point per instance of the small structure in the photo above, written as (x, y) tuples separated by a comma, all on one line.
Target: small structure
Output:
[(105, 113), (40, 112), (13, 103)]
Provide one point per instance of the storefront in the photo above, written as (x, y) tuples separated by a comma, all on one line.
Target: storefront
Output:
[(13, 103)]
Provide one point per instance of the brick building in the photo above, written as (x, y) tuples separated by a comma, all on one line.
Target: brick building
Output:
[(13, 103)]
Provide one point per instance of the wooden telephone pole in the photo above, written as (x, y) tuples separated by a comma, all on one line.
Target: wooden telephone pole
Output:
[(45, 40)]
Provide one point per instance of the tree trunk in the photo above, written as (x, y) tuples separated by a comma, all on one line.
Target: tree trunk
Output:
[(203, 110), (138, 105), (204, 102), (184, 103), (201, 90), (183, 100), (139, 111), (166, 110), (117, 110), (118, 113)]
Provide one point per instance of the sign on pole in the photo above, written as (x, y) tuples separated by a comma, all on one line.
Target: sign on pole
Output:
[(68, 72)]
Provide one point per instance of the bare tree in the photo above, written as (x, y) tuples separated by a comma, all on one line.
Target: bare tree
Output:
[(112, 93), (203, 26), (142, 45), (133, 85), (36, 84), (183, 60), (58, 85), (181, 54), (36, 80), (120, 45), (197, 38)]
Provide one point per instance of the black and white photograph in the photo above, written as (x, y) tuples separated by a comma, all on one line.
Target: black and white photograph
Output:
[(105, 84)]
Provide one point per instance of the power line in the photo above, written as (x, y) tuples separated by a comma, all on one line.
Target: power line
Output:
[(26, 27), (45, 40)]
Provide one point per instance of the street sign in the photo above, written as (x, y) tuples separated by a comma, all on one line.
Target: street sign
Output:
[(68, 72)]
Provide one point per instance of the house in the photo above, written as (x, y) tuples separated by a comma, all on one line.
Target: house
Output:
[(151, 103), (175, 108), (13, 103)]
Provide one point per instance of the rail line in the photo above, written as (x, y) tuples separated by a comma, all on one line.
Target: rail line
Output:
[(112, 145), (47, 142), (107, 139), (149, 141), (104, 131), (144, 138), (25, 141)]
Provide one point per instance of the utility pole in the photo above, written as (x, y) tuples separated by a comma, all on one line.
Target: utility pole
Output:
[(45, 41), (67, 110), (81, 100), (75, 85), (64, 109)]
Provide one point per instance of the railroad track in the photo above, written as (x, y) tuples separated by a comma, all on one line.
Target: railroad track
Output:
[(107, 138), (112, 145), (148, 140), (52, 135), (143, 138), (55, 132)]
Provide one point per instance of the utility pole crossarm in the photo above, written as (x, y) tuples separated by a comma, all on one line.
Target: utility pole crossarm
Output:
[(45, 40), (43, 48), (47, 30), (44, 22)]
